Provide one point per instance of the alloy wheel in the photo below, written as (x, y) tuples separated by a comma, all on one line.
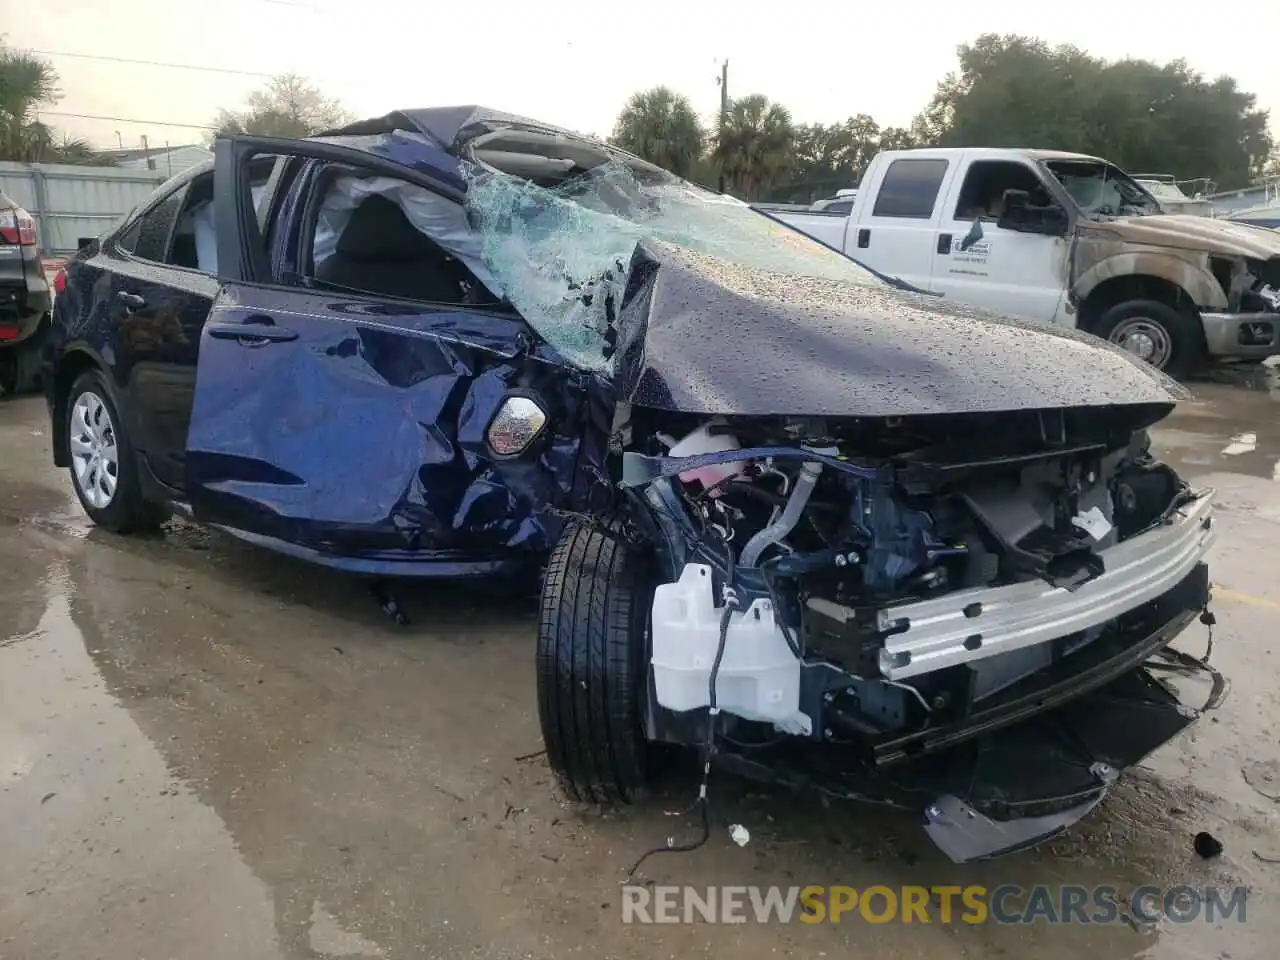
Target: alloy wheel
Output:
[(95, 457)]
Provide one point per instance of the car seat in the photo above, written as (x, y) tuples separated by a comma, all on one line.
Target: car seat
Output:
[(380, 251)]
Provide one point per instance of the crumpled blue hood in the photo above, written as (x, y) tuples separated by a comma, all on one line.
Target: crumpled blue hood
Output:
[(701, 335)]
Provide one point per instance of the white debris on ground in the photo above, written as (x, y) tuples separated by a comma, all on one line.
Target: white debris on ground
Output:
[(740, 834), (1241, 443)]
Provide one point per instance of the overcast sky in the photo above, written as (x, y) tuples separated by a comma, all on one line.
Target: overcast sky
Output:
[(573, 62)]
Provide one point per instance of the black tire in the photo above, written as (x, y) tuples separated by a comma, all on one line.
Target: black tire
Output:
[(592, 665), (20, 365), (1186, 352), (9, 372), (128, 511)]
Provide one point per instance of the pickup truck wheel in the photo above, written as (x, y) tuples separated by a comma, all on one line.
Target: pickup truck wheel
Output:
[(104, 467), (1165, 337), (591, 665)]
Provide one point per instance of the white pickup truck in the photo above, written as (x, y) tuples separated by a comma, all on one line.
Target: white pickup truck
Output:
[(1063, 238)]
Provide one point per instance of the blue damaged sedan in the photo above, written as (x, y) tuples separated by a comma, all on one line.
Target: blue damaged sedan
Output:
[(814, 524)]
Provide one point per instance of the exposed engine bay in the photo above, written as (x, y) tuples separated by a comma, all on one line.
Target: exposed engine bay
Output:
[(871, 580)]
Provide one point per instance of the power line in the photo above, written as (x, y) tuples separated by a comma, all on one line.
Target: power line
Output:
[(153, 123), (153, 63)]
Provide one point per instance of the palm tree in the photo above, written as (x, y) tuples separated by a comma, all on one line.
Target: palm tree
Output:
[(662, 127), (26, 84), (755, 145)]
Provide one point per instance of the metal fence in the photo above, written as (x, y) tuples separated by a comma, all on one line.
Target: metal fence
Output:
[(72, 203)]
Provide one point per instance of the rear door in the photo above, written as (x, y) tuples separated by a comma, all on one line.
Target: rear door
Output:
[(349, 370), (896, 232), (157, 294), (163, 279)]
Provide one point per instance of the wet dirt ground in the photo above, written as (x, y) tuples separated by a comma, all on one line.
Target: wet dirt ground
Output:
[(208, 752)]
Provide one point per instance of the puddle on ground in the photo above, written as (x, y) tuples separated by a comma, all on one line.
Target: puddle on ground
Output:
[(1223, 428), (1256, 377), (113, 851)]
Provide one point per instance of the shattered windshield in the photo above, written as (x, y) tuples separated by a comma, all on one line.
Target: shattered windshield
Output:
[(561, 253), (1102, 190), (1164, 191)]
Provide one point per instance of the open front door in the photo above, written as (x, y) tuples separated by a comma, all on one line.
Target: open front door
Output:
[(348, 425)]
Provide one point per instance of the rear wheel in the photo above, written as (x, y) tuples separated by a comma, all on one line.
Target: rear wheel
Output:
[(104, 468), (592, 666), (1167, 338), (20, 365), (9, 372)]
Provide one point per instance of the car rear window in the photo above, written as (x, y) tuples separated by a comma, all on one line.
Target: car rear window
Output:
[(910, 188), (153, 229)]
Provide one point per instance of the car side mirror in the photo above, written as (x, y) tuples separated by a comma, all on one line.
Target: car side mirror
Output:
[(1019, 215)]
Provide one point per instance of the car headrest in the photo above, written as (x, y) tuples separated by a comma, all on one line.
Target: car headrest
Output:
[(379, 230)]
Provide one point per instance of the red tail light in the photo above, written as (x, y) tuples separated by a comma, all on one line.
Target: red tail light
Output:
[(17, 227), (60, 280)]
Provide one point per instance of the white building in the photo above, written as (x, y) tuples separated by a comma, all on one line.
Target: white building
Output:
[(164, 160)]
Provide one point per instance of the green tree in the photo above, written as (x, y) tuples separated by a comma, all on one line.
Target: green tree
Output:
[(899, 138), (1018, 91), (28, 83), (288, 106), (829, 158), (662, 127), (755, 145)]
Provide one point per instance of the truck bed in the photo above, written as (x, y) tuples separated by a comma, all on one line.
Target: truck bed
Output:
[(827, 228)]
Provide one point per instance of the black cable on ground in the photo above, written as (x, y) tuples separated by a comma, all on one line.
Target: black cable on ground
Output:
[(731, 603)]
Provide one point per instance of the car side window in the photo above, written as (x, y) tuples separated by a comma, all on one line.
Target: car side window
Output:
[(383, 236), (179, 231), (910, 188), (985, 183), (128, 240), (194, 244), (148, 238)]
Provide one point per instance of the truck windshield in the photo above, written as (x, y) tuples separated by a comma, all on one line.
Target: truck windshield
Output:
[(560, 251), (1103, 190)]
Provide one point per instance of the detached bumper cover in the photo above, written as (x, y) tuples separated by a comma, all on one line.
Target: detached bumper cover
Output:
[(1037, 759), (968, 625), (1030, 782)]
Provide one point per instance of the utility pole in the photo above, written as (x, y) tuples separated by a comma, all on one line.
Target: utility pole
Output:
[(146, 152), (724, 106)]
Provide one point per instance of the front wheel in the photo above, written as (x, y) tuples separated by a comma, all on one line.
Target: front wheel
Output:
[(104, 468), (1167, 338), (592, 666)]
